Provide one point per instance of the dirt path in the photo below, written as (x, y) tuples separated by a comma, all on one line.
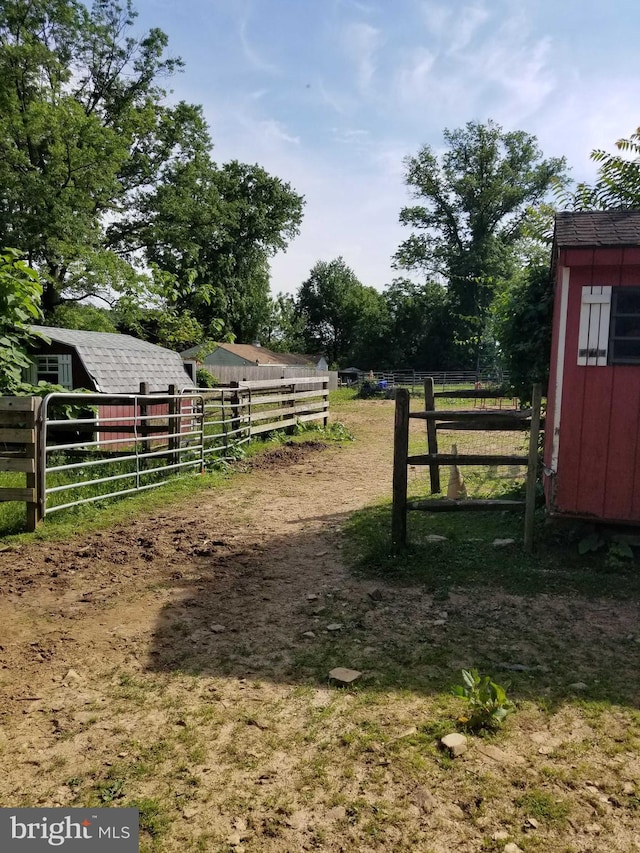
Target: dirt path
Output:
[(241, 553), (162, 662)]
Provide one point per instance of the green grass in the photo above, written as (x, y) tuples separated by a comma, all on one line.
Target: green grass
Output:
[(469, 558)]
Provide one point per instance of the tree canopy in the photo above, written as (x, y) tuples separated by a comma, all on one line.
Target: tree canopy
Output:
[(339, 312), (101, 177), (617, 184), (473, 205), (20, 293)]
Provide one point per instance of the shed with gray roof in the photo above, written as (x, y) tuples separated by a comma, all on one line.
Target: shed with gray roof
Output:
[(104, 361)]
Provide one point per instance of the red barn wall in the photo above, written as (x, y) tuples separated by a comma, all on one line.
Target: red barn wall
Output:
[(598, 452)]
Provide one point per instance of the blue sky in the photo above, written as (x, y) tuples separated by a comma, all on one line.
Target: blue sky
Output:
[(331, 95)]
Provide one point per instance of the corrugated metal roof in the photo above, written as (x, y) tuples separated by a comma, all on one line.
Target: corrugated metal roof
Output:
[(119, 363), (598, 228)]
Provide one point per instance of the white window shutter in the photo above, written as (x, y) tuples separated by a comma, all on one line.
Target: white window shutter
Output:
[(65, 376), (593, 334)]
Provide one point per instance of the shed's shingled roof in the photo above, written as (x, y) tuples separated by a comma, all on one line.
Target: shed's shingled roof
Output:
[(119, 363), (598, 228)]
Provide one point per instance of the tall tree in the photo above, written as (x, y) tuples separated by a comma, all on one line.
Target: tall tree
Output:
[(100, 177), (337, 310), (473, 203), (83, 132), (421, 332), (617, 184), (284, 329), (20, 293), (524, 317), (213, 229)]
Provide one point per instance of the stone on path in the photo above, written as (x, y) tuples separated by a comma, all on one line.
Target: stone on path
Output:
[(72, 675), (578, 685), (503, 543), (455, 743), (335, 626), (217, 629), (309, 635), (343, 675), (512, 848)]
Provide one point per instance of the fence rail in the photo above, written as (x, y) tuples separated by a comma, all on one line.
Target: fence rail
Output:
[(442, 379), (78, 448)]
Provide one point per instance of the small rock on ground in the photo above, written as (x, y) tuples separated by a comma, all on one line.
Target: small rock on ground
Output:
[(217, 629), (455, 743), (503, 543), (309, 635), (335, 626), (343, 675), (512, 848)]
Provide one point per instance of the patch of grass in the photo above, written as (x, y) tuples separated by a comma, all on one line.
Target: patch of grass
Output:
[(469, 558), (153, 819), (543, 805)]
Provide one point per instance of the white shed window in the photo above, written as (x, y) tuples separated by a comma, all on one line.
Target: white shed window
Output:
[(55, 369), (624, 340)]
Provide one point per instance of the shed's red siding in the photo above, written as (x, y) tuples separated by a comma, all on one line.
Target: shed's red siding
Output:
[(598, 451)]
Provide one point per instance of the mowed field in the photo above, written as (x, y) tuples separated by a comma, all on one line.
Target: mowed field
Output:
[(177, 660)]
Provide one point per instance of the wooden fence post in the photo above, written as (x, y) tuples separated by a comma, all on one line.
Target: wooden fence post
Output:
[(400, 456), (432, 435), (235, 411), (532, 469), (34, 507), (19, 429), (173, 443), (325, 400), (144, 424)]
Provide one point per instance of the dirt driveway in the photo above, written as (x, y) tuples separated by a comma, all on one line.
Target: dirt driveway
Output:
[(166, 663)]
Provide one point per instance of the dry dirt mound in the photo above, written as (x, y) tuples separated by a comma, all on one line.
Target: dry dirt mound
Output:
[(287, 454)]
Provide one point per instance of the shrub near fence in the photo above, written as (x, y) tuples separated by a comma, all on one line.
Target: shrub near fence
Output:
[(113, 445)]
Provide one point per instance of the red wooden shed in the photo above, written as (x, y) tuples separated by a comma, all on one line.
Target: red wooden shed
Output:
[(592, 435)]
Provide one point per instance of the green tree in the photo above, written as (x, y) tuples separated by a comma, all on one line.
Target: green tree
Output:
[(100, 178), (473, 205), (87, 317), (83, 132), (618, 180), (339, 312), (213, 229), (20, 294), (523, 320), (284, 329), (421, 329)]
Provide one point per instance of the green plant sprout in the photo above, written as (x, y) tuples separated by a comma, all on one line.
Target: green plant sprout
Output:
[(488, 705)]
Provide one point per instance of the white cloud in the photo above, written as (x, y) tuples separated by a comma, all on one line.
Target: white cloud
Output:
[(414, 80), (362, 42), (468, 21), (504, 69), (250, 53)]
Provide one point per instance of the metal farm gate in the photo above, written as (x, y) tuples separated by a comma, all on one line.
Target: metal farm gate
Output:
[(97, 446)]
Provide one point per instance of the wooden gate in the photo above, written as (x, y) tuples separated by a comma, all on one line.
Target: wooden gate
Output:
[(18, 453)]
